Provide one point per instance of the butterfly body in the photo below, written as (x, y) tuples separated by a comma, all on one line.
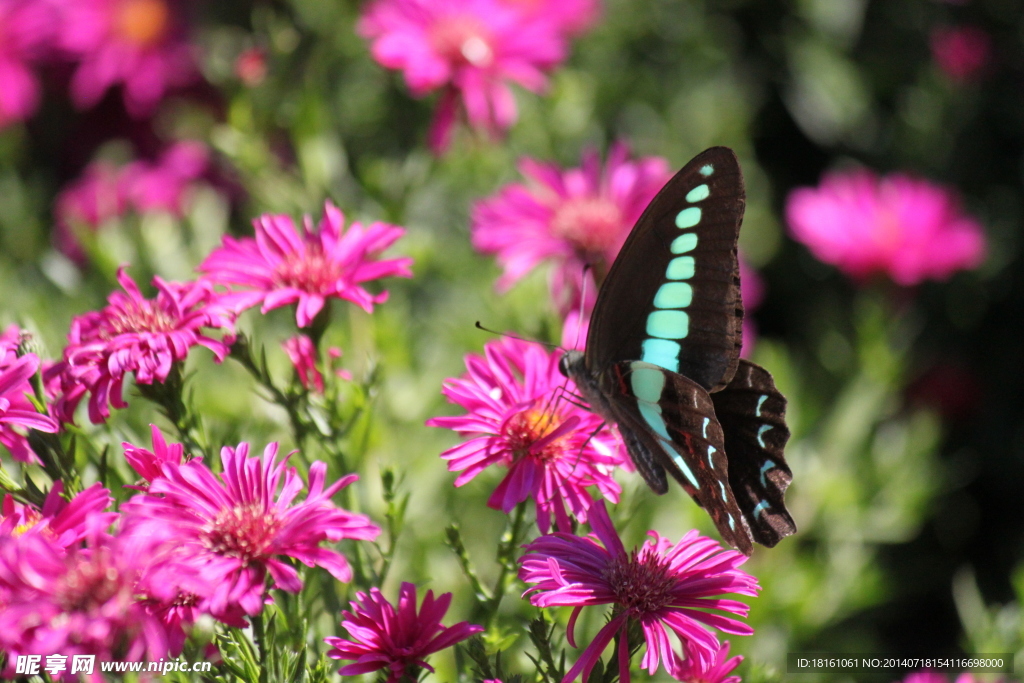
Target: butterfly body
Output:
[(662, 358)]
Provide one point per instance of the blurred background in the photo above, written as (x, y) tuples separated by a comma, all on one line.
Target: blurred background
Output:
[(905, 398)]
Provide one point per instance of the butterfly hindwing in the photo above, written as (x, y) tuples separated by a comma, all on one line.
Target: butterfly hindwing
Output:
[(668, 423), (672, 296), (752, 413)]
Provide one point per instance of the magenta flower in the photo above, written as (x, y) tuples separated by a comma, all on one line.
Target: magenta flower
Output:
[(143, 336), (26, 30), (573, 218), (86, 204), (139, 44), (906, 228), (149, 463), (703, 667), (399, 640), (662, 586), (236, 528), (78, 601), (302, 354), (572, 17), (471, 48), (63, 522), (281, 267), (15, 410), (961, 52), (517, 417), (163, 185)]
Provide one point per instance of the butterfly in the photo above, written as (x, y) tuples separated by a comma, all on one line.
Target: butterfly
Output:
[(662, 358)]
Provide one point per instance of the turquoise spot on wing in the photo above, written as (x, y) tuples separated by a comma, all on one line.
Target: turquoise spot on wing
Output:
[(684, 243), (680, 268), (760, 402), (732, 523), (706, 170), (661, 352), (768, 464), (760, 435), (687, 218), (699, 193), (704, 430), (687, 472), (725, 496), (668, 324), (674, 295), (759, 508), (652, 415), (711, 449), (647, 384)]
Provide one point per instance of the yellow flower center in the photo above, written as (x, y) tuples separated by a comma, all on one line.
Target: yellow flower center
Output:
[(143, 22)]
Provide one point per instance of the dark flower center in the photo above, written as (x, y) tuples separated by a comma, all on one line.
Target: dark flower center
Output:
[(244, 532), (591, 224), (143, 22), (312, 272), (523, 430), (462, 41), (641, 582), (141, 316)]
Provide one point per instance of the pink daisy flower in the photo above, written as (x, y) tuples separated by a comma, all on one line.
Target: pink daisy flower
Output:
[(64, 522), (143, 336), (79, 601), (517, 417), (26, 30), (662, 586), (398, 640), (572, 218), (471, 48), (139, 44), (236, 527), (961, 52), (702, 667), (13, 432), (281, 266), (908, 228), (149, 463)]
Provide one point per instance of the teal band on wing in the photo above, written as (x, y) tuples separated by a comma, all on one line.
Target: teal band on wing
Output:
[(668, 324), (768, 464), (725, 496), (684, 243), (711, 449), (759, 508), (699, 193), (651, 413), (661, 352), (674, 295), (681, 268), (647, 383), (683, 467), (706, 170), (760, 435), (689, 217), (760, 403)]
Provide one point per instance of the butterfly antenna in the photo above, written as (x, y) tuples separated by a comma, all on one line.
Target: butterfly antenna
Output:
[(583, 306), (480, 326)]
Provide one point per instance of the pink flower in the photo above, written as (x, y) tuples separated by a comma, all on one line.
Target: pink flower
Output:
[(162, 186), (15, 410), (399, 640), (137, 43), (573, 218), (661, 586), (907, 228), (143, 336), (517, 416), (236, 528), (149, 463), (26, 28), (700, 666), (962, 52), (471, 48), (76, 601), (64, 522), (302, 354), (281, 267)]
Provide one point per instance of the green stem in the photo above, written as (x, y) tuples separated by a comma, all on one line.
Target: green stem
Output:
[(507, 563), (259, 637), (170, 396)]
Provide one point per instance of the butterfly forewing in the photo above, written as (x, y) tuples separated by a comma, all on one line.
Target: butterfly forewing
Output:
[(753, 415), (675, 283)]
